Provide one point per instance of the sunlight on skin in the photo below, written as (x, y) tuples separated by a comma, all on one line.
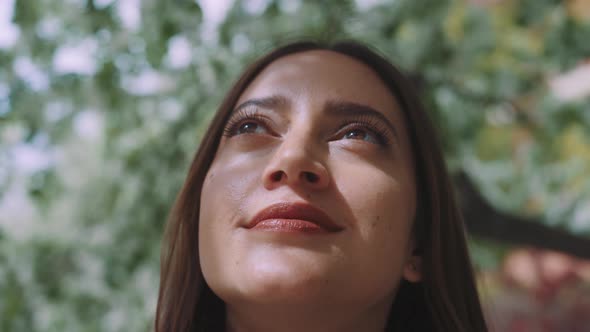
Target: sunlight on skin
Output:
[(295, 278)]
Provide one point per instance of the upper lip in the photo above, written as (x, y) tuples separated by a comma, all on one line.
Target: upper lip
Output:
[(301, 211)]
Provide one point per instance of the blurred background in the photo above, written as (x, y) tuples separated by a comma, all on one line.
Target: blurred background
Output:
[(103, 103)]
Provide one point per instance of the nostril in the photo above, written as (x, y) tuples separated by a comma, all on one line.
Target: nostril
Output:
[(311, 177), (277, 176)]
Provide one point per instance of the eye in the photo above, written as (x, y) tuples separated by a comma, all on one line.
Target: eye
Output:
[(247, 122), (361, 132), (250, 127)]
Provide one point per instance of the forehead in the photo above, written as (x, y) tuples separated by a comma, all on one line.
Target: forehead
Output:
[(319, 75)]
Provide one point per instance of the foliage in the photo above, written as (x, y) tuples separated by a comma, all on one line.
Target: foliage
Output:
[(101, 110)]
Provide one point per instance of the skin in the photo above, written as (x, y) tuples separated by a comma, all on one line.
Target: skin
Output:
[(303, 149)]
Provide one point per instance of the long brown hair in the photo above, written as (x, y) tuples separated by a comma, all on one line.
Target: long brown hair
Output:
[(445, 300)]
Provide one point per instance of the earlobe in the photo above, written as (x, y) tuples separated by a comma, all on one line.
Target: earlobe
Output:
[(413, 269)]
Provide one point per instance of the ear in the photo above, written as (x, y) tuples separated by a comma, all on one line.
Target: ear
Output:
[(413, 268)]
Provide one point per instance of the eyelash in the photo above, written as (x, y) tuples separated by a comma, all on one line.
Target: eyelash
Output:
[(361, 122), (367, 123), (241, 117)]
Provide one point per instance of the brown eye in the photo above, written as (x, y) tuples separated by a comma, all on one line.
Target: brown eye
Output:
[(362, 134), (246, 122), (250, 127)]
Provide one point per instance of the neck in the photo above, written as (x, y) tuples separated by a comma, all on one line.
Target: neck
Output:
[(287, 318)]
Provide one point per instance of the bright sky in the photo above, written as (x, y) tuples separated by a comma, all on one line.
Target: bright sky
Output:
[(8, 32), (214, 11)]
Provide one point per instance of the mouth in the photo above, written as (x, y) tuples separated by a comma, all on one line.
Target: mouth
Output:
[(293, 218)]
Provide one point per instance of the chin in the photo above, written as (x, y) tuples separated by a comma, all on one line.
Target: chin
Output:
[(279, 282), (279, 274), (269, 282)]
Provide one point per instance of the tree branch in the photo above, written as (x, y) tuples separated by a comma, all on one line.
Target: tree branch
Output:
[(485, 221)]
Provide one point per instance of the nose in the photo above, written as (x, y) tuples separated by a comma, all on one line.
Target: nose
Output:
[(295, 164)]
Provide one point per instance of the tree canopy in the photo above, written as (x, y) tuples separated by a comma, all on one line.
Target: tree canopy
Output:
[(102, 105)]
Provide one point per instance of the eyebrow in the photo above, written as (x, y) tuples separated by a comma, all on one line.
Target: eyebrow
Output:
[(332, 108), (272, 102)]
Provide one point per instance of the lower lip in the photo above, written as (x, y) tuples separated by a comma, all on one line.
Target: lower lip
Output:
[(289, 226)]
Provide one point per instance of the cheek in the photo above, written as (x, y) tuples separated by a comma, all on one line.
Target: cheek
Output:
[(226, 189), (213, 203), (224, 196), (383, 208), (380, 202), (384, 220), (210, 210), (217, 212)]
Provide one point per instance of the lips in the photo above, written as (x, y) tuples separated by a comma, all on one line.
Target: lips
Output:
[(293, 217)]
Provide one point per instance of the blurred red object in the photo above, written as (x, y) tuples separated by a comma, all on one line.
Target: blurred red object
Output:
[(539, 291)]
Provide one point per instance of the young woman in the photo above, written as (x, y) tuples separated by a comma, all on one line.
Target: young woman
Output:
[(318, 201)]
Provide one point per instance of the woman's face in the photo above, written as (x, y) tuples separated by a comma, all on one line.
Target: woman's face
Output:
[(311, 195)]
